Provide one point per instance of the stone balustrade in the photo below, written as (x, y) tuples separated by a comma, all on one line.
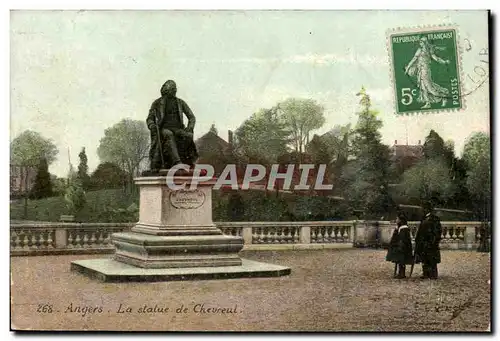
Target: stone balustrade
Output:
[(53, 238)]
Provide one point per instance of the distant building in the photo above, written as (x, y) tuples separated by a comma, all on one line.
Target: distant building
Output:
[(404, 156), (22, 179), (405, 150), (215, 151), (211, 143)]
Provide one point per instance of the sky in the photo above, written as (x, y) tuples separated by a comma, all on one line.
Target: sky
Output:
[(76, 73)]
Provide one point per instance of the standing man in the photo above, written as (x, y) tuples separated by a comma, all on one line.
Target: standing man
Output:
[(171, 141), (427, 243)]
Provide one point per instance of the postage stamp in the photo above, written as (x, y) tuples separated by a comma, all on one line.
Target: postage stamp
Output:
[(246, 171), (426, 70)]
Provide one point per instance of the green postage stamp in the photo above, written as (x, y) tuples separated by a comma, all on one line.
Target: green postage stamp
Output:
[(426, 70)]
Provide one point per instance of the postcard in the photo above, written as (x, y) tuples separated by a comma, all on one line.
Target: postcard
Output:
[(290, 171)]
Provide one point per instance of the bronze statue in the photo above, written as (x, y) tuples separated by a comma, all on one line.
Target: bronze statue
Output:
[(171, 141)]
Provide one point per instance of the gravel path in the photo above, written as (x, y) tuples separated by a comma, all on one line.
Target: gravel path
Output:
[(328, 290)]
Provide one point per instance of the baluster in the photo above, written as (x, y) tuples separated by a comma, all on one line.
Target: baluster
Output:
[(278, 234), (319, 235), (262, 236), (78, 240), (346, 234), (290, 234), (255, 235), (85, 239), (70, 239), (329, 234), (17, 240), (461, 233), (100, 238), (93, 240), (296, 236), (313, 234), (272, 235), (454, 235), (445, 231), (24, 240), (33, 240), (41, 240), (284, 235), (107, 238), (50, 240)]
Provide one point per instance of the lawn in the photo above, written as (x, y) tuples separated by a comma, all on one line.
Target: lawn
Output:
[(101, 206), (328, 290)]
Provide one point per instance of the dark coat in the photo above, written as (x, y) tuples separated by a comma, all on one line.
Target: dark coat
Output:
[(400, 249), (427, 241), (186, 146)]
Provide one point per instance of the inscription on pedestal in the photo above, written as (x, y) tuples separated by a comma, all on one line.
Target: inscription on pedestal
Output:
[(187, 199)]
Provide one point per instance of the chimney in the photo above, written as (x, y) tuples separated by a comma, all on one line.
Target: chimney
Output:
[(230, 137), (395, 142), (419, 142)]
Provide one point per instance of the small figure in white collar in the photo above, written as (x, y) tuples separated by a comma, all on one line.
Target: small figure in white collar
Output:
[(400, 249)]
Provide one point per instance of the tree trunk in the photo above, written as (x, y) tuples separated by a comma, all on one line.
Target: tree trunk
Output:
[(26, 193)]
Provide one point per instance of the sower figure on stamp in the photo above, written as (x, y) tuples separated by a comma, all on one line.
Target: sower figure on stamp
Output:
[(400, 249), (171, 141), (427, 243)]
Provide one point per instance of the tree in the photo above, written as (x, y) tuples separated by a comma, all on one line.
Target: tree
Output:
[(263, 136), (428, 181), (107, 176), (301, 117), (83, 170), (59, 185), (126, 144), (365, 179), (43, 184), (26, 151), (332, 148), (477, 157), (75, 195)]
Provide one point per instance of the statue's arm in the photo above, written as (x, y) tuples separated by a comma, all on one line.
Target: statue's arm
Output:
[(151, 120), (189, 114), (413, 60), (438, 59)]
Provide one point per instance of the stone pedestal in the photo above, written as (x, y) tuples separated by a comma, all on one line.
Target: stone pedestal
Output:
[(175, 238)]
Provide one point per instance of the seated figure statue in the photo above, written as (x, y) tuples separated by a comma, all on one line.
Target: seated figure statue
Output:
[(171, 141)]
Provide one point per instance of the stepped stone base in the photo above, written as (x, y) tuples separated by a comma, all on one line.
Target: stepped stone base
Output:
[(150, 251), (175, 239), (109, 270)]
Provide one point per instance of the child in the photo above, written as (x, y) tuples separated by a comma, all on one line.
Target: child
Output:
[(400, 248)]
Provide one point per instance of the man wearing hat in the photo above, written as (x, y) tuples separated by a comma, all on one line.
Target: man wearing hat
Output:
[(427, 242)]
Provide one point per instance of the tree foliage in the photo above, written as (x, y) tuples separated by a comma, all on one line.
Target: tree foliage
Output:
[(428, 181), (365, 179), (43, 184), (263, 136), (75, 195), (30, 147), (477, 157), (125, 144), (83, 170), (108, 175), (301, 117)]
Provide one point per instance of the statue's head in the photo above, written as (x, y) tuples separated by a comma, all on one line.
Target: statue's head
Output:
[(423, 42), (169, 89)]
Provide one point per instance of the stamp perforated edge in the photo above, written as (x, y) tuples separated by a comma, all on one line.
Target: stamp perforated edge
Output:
[(459, 51)]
